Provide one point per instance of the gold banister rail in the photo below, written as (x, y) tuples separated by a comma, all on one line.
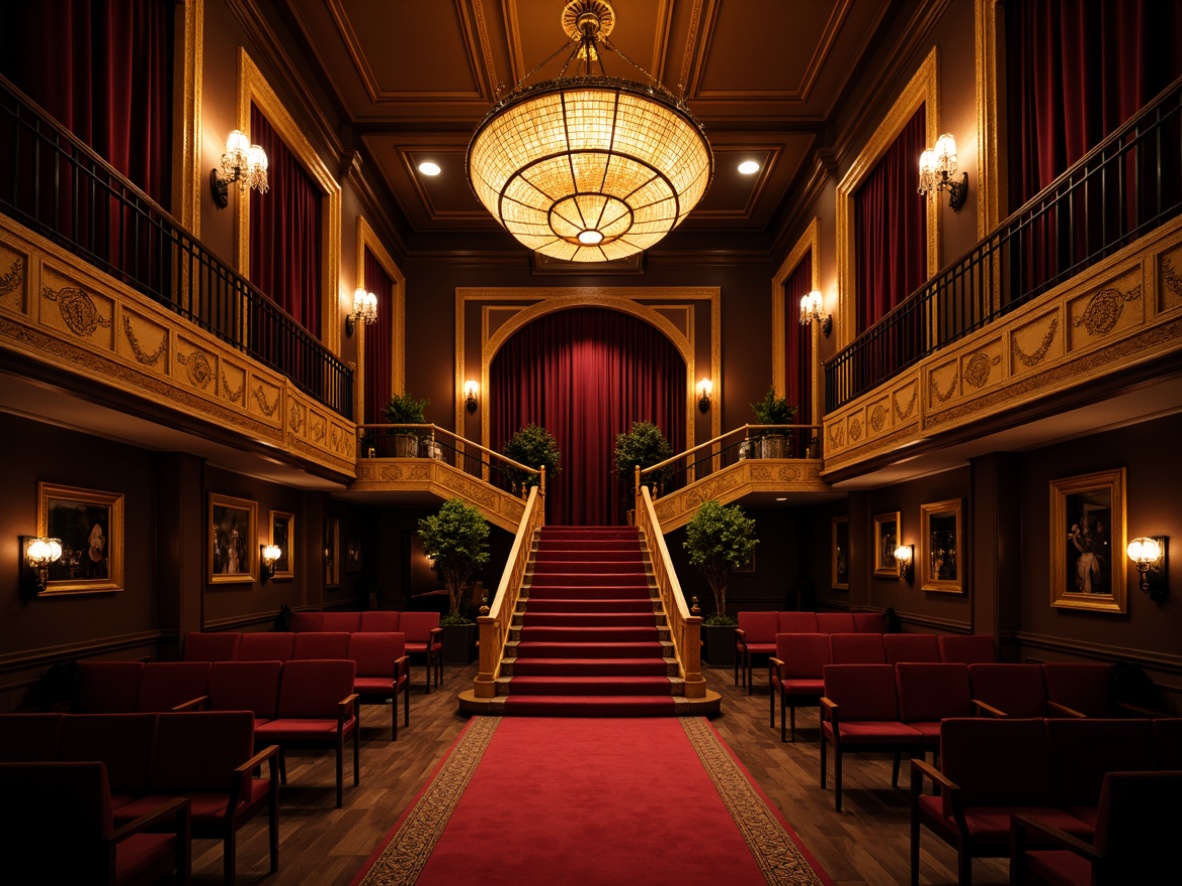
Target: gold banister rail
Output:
[(684, 628), (494, 625), (812, 450)]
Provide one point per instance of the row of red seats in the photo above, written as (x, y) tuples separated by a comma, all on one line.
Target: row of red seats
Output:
[(756, 633)]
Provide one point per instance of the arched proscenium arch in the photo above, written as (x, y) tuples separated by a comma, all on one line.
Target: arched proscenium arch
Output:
[(565, 303)]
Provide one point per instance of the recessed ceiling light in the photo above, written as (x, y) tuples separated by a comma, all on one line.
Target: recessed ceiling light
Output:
[(429, 168), (748, 167), (783, 498)]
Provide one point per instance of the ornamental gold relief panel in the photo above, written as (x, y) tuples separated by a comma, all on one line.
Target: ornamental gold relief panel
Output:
[(14, 276), (232, 383), (142, 341), (77, 311), (1169, 275), (981, 367), (904, 400), (943, 383), (195, 367), (265, 399), (878, 415), (1035, 342), (1115, 307)]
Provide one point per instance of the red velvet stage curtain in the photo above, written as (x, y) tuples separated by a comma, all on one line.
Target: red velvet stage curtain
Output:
[(798, 341), (585, 375), (891, 228), (378, 341)]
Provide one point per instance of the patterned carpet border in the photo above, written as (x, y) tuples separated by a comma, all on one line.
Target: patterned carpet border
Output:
[(403, 858), (768, 836)]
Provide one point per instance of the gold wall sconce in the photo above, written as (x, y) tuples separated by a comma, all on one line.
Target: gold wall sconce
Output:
[(1149, 557), (937, 166), (243, 163)]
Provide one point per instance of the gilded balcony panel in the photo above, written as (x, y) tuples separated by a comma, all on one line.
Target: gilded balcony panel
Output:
[(1121, 312), (58, 311)]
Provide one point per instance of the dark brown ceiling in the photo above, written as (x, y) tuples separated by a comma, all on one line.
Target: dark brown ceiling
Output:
[(416, 77)]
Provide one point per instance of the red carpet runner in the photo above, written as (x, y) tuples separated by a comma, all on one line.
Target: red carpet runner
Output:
[(590, 639), (598, 802)]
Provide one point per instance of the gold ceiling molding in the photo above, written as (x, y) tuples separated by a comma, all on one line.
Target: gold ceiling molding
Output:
[(808, 244), (923, 89), (253, 88), (367, 238)]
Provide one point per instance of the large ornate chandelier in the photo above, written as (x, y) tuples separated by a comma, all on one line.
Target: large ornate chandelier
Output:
[(586, 167)]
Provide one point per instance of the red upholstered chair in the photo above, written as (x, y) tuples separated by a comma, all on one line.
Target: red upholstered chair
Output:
[(1133, 840), (341, 621), (796, 672), (755, 635), (167, 685), (56, 826), (208, 757), (424, 638), (202, 646), (108, 687), (930, 692), (266, 646), (967, 648), (835, 623), (1083, 750), (307, 621), (910, 647), (1085, 689), (321, 644), (859, 712), (1002, 689), (385, 620), (317, 708), (383, 672), (1168, 732), (793, 622), (245, 686), (867, 622), (856, 649), (29, 738), (123, 742)]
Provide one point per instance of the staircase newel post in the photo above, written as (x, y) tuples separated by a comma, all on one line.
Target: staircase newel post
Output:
[(637, 504), (486, 683), (542, 480), (691, 661)]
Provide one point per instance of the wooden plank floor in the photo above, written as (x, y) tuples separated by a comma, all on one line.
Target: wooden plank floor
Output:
[(866, 843)]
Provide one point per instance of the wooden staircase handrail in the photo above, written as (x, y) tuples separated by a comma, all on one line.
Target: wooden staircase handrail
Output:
[(494, 626), (684, 628), (456, 438), (672, 460)]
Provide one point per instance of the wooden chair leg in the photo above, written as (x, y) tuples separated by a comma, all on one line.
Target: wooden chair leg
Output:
[(356, 754), (394, 718), (792, 722), (273, 829), (340, 771), (406, 706), (772, 707), (229, 856), (837, 778), (824, 752)]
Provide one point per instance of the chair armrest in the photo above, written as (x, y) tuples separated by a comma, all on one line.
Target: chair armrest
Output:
[(178, 808), (269, 753), (401, 666), (244, 771), (921, 768), (436, 634), (193, 704), (986, 708), (829, 710), (1059, 839), (775, 662), (1064, 710), (1149, 713), (345, 708)]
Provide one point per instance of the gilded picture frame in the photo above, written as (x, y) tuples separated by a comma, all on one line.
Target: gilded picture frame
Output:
[(283, 537), (1087, 542), (332, 552), (89, 524), (233, 540), (941, 556), (839, 546), (888, 529)]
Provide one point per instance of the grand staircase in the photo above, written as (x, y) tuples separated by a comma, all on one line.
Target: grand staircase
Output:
[(589, 637)]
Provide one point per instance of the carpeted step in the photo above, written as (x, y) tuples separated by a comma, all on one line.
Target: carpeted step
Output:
[(590, 686), (589, 592), (590, 706), (541, 605), (587, 567), (630, 578), (533, 619), (533, 649), (590, 532), (590, 667), (544, 634), (604, 555)]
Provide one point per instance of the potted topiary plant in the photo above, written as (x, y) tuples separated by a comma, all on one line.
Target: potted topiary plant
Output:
[(773, 410), (719, 539), (536, 447), (646, 446), (456, 540), (404, 409)]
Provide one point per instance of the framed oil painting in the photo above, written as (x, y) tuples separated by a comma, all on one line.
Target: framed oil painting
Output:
[(941, 551), (90, 526), (283, 537), (840, 548), (887, 532), (1088, 542), (233, 539), (353, 556), (332, 550)]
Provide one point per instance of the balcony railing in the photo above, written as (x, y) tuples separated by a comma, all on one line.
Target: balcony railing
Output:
[(1126, 186), (55, 185)]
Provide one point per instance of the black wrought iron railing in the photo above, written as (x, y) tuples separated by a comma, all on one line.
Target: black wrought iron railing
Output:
[(55, 185), (1124, 187)]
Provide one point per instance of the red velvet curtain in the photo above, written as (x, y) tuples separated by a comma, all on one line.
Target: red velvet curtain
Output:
[(798, 341), (285, 230), (378, 341), (891, 227), (586, 375)]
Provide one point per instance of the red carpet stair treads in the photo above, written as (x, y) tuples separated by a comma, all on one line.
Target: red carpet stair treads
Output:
[(589, 637), (597, 802)]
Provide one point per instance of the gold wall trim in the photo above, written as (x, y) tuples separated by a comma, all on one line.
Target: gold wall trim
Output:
[(44, 655), (188, 65), (808, 244), (253, 88), (367, 238), (992, 181), (921, 90)]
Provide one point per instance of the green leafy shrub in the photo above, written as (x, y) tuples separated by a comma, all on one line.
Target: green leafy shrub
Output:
[(456, 539), (772, 410), (404, 409), (646, 446), (536, 447), (719, 539)]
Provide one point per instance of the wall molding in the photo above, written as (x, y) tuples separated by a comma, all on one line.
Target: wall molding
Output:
[(47, 655)]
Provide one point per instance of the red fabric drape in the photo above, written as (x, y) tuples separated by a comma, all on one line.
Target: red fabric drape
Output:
[(585, 375), (285, 230), (798, 341), (378, 341)]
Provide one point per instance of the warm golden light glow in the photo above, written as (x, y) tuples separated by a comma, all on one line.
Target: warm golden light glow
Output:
[(903, 553), (43, 551), (748, 167), (429, 168), (705, 388), (271, 554), (1144, 550)]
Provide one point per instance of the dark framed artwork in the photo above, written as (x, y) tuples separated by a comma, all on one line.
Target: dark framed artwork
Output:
[(89, 524), (840, 552), (332, 548), (941, 550), (353, 556), (1088, 542), (888, 530), (233, 539), (283, 537)]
